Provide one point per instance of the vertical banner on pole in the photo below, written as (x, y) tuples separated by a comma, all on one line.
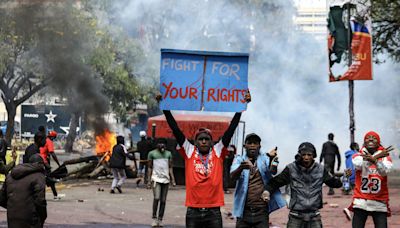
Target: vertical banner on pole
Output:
[(338, 42), (200, 80)]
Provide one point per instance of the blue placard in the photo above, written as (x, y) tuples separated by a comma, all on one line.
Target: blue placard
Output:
[(210, 81)]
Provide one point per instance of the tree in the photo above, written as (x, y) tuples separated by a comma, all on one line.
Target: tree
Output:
[(386, 28), (22, 74)]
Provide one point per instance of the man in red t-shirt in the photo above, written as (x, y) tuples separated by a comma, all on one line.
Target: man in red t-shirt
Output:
[(45, 152), (48, 149), (203, 172)]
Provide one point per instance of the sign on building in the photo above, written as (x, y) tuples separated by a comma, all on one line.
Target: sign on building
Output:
[(52, 117)]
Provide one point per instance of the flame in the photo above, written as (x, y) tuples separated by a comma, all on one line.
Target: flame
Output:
[(104, 143)]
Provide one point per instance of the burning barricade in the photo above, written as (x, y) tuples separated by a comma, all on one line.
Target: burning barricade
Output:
[(97, 164)]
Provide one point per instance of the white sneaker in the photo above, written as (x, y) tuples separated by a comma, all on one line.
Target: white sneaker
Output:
[(154, 223), (347, 212), (160, 224)]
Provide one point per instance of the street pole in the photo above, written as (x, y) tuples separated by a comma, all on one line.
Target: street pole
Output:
[(351, 82)]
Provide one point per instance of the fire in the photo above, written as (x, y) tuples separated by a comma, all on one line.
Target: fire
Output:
[(104, 143)]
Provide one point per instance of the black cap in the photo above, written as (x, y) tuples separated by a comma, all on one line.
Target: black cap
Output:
[(252, 135), (306, 146)]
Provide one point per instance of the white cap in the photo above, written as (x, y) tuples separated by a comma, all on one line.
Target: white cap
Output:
[(142, 134)]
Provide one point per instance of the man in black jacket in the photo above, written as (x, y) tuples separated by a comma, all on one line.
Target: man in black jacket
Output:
[(305, 178), (328, 153), (117, 164), (23, 194)]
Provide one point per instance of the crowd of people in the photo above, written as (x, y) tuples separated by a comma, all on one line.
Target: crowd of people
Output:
[(210, 165)]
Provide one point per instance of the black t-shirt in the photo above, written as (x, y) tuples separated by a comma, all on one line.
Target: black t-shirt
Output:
[(144, 147), (29, 151)]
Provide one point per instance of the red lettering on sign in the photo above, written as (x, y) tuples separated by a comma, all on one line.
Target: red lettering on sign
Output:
[(211, 95), (193, 93), (174, 92), (226, 95)]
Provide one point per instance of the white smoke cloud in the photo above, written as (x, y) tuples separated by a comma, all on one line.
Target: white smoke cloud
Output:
[(293, 101)]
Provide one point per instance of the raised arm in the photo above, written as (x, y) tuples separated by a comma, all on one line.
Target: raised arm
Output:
[(180, 137), (226, 138)]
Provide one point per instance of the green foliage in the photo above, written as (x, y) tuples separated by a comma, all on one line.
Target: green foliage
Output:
[(386, 28)]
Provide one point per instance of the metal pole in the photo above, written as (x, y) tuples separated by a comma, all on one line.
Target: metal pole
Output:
[(351, 82)]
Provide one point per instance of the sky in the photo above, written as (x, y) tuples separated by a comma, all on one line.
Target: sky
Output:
[(292, 100)]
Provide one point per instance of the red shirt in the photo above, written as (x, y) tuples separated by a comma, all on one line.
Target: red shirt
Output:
[(46, 150), (369, 184), (203, 185)]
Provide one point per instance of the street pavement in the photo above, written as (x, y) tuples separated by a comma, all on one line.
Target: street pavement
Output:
[(88, 203)]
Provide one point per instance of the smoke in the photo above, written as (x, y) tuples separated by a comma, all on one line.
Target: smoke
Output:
[(64, 41), (292, 101)]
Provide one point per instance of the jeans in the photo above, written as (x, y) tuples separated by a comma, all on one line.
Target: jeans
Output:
[(254, 218), (360, 217), (160, 192), (119, 177), (297, 222), (203, 217), (143, 170)]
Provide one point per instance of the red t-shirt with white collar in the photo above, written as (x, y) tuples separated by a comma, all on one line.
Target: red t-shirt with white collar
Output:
[(204, 188)]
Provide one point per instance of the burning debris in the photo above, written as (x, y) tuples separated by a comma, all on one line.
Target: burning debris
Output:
[(97, 165)]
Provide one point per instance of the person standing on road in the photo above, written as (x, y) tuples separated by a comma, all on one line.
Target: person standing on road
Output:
[(117, 164), (24, 194), (34, 148), (160, 174), (46, 151), (305, 177), (203, 171), (227, 167), (371, 195), (5, 168), (354, 148), (3, 147), (328, 153), (252, 171), (144, 146)]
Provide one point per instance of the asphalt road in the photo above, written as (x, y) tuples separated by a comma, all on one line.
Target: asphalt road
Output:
[(86, 205)]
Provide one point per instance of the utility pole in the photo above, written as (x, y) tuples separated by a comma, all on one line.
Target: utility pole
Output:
[(352, 127)]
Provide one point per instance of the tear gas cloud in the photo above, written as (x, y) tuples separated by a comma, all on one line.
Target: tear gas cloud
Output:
[(292, 100)]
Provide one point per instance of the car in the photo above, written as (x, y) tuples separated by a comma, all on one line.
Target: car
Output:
[(3, 127)]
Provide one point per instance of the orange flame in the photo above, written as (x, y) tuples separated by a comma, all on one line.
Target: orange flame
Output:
[(104, 143)]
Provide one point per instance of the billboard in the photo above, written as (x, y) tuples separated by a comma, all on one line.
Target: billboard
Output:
[(53, 117), (344, 44), (200, 80)]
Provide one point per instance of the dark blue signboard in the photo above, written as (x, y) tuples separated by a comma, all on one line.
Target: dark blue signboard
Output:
[(52, 117), (199, 80)]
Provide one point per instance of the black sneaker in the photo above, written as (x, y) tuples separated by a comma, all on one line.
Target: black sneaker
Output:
[(112, 191), (119, 189)]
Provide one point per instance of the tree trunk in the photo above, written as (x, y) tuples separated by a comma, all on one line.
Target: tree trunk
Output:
[(11, 112), (72, 132)]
